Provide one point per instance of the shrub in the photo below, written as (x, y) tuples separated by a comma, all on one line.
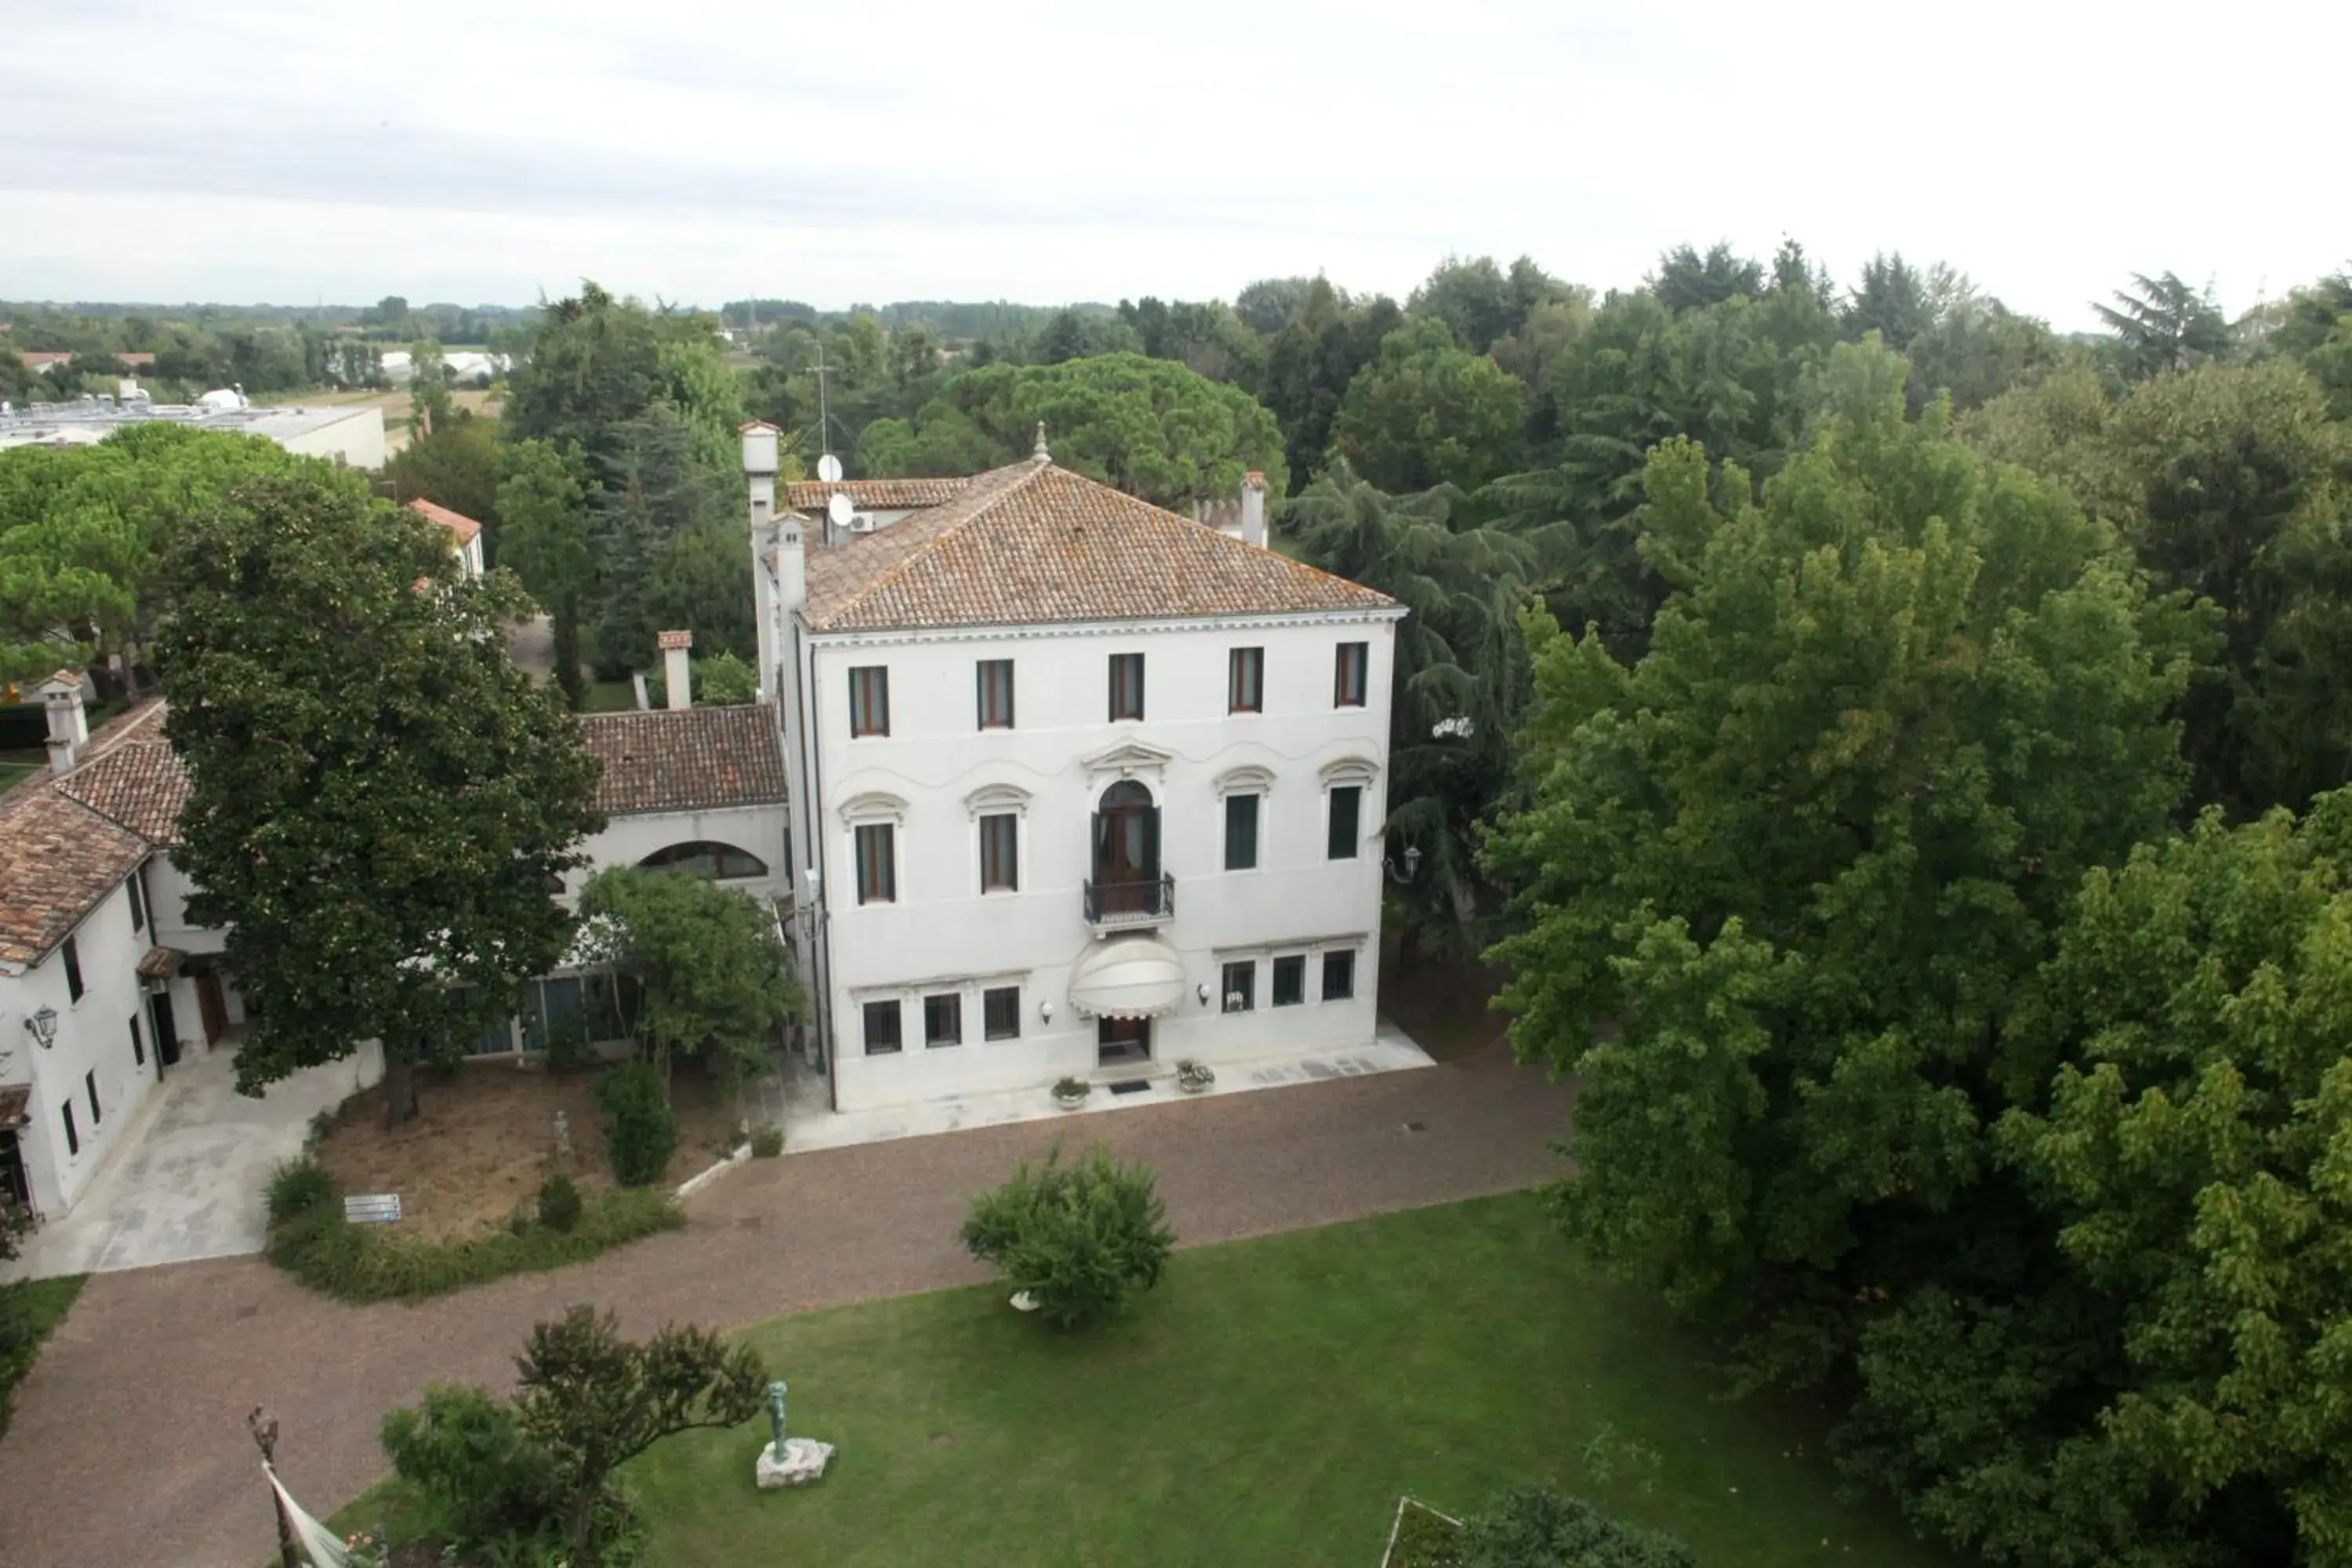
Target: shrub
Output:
[(1423, 1539), (298, 1186), (1072, 1089), (640, 1129), (1536, 1527), (1081, 1238), (477, 1475), (559, 1203), (767, 1140), (371, 1263)]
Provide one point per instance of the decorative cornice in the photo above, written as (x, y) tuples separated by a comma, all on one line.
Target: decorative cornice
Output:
[(1038, 630), (1128, 758), (1247, 779), (1347, 771), (873, 806), (997, 798), (908, 990), (1307, 945)]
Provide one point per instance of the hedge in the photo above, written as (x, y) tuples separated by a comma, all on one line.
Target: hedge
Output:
[(318, 1246)]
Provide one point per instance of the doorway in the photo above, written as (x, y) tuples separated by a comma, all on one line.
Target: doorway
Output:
[(13, 1184), (1118, 1041), (167, 1037), (1127, 850), (213, 1005)]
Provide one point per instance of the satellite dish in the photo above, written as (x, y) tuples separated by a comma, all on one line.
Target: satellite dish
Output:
[(829, 468), (841, 509)]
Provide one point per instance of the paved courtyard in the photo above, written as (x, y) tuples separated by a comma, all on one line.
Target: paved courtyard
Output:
[(152, 1374), (184, 1183)]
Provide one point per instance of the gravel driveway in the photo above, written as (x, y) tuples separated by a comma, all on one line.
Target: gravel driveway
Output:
[(128, 1444)]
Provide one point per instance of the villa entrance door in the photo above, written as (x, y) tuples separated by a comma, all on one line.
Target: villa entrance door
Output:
[(1122, 1040)]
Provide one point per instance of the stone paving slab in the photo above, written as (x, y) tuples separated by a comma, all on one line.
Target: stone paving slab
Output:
[(152, 1373)]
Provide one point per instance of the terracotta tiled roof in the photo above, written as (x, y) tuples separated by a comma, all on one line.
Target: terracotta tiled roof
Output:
[(883, 495), (137, 781), (456, 522), (687, 759), (57, 860), (1034, 543)]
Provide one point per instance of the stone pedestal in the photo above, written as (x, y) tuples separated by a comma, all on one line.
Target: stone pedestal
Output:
[(804, 1460)]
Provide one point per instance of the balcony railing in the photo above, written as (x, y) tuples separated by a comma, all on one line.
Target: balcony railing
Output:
[(1137, 903)]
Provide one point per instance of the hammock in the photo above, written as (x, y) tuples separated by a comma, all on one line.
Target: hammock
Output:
[(320, 1544)]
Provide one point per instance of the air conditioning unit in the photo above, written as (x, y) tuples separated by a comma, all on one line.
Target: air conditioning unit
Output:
[(862, 522)]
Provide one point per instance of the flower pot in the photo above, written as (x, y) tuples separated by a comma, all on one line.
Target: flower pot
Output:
[(1193, 1086), (1069, 1101)]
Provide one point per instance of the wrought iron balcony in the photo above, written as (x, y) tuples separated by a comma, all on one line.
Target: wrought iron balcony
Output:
[(1115, 905)]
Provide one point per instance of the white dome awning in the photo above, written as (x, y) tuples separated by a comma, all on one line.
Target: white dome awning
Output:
[(1127, 977)]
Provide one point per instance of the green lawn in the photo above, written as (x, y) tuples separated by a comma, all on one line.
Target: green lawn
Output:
[(31, 1309), (1264, 1406), (609, 697)]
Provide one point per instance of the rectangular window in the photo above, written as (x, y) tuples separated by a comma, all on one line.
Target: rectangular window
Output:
[(73, 970), (869, 699), (1347, 822), (138, 1043), (882, 1037), (1245, 681), (877, 868), (1240, 832), (996, 694), (1241, 985), (1290, 980), (999, 844), (73, 1134), (90, 1087), (1339, 976), (1126, 686), (1347, 681), (138, 903), (943, 1020), (1000, 1013)]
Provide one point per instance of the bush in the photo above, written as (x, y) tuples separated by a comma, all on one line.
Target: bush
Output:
[(298, 1186), (559, 1203), (640, 1129), (372, 1263), (1534, 1527), (1081, 1238), (477, 1475), (767, 1140)]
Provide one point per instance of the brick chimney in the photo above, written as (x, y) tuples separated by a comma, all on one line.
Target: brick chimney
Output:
[(68, 724), (1254, 508), (678, 670)]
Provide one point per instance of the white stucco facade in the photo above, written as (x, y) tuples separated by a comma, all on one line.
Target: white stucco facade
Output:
[(757, 830), (937, 773), (91, 1054)]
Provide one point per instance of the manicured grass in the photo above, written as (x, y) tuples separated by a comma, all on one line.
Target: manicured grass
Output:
[(30, 1310), (609, 697), (1267, 1405)]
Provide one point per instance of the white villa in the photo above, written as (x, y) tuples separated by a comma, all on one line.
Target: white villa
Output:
[(1081, 786), (1078, 787)]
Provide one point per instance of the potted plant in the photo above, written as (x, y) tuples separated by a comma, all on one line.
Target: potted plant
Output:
[(1071, 1092), (1194, 1077)]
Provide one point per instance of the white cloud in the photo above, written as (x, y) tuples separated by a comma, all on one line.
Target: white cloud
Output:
[(893, 149)]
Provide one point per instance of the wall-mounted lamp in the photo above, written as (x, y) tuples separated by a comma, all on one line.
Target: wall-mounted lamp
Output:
[(42, 1026), (1203, 991), (1046, 1011), (1411, 864)]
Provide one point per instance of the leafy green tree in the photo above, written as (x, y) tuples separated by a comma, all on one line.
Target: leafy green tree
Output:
[(1076, 333), (1270, 304), (82, 530), (1427, 412), (378, 799), (1311, 362), (459, 465), (713, 978), (1891, 299), (1150, 427), (1536, 1527), (2315, 327), (658, 496), (593, 365), (2161, 323), (592, 1401), (1479, 303), (1686, 280), (547, 535), (1783, 879), (430, 404), (1461, 677)]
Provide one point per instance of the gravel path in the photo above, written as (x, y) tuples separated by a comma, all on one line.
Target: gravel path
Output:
[(129, 1446)]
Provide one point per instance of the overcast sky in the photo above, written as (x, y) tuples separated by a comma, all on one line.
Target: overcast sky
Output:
[(876, 149)]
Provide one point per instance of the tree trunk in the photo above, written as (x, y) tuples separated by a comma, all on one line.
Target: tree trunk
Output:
[(566, 630), (399, 1084)]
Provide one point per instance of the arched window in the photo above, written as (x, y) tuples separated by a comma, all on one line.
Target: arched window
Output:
[(706, 859)]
